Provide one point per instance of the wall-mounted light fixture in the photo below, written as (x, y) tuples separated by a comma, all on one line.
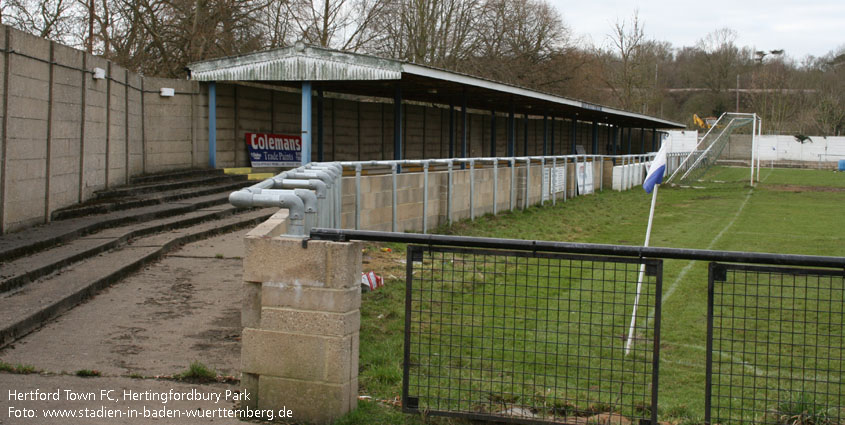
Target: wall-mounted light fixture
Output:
[(167, 92), (99, 74)]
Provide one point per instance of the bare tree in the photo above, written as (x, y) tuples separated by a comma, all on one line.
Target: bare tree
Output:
[(625, 65), (341, 24), (519, 40), (434, 32), (51, 19)]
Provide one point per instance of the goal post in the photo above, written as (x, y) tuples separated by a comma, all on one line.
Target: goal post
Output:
[(711, 146)]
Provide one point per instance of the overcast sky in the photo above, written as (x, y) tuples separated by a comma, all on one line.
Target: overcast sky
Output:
[(811, 27)]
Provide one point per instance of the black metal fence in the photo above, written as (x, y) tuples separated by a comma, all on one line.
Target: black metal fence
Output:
[(775, 345), (534, 331), (524, 336)]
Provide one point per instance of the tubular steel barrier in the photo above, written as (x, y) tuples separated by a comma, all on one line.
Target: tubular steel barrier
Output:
[(534, 331), (289, 188)]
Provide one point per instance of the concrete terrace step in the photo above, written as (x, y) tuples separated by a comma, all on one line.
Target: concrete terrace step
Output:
[(174, 175), (14, 245), (37, 303), (19, 272), (194, 182), (117, 204)]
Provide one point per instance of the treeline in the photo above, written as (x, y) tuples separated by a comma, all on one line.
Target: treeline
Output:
[(522, 42)]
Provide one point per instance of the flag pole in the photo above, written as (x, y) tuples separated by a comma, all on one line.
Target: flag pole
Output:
[(630, 338)]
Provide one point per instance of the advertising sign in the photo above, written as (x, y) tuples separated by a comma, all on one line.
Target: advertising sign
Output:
[(274, 150), (584, 178)]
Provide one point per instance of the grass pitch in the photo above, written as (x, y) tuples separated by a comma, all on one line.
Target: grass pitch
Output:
[(789, 211)]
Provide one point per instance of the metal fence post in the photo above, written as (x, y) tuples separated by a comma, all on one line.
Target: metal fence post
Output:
[(513, 183), (357, 196), (584, 180), (425, 197), (552, 182), (495, 186), (395, 196), (472, 189), (543, 184), (449, 195), (565, 178), (527, 182), (601, 173)]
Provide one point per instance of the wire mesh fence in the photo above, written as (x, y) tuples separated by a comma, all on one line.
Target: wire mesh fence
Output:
[(530, 337), (710, 148), (775, 345)]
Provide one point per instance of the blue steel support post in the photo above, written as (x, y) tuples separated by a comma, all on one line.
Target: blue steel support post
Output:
[(642, 140), (306, 122), (552, 138), (212, 124), (511, 133), (451, 130), (397, 125), (525, 134), (654, 140), (629, 140), (574, 136), (545, 134), (464, 129), (595, 138), (319, 126), (614, 139), (493, 132)]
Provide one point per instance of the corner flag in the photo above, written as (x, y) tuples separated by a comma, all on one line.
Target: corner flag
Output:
[(656, 170), (650, 184)]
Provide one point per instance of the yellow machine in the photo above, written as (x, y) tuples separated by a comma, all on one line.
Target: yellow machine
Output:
[(704, 123)]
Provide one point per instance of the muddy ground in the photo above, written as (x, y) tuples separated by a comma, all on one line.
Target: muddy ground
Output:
[(182, 309)]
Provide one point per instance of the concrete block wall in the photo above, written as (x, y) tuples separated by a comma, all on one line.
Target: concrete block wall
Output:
[(301, 322), (66, 135)]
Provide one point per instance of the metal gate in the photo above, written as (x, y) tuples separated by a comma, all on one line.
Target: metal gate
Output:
[(531, 337), (775, 345)]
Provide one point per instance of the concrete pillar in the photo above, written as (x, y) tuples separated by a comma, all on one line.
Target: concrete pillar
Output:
[(301, 321)]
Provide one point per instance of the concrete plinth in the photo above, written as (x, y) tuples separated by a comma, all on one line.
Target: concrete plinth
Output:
[(301, 320)]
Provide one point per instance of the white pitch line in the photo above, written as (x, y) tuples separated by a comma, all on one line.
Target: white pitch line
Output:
[(674, 286)]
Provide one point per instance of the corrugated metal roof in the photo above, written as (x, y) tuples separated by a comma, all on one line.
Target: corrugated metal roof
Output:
[(310, 63), (297, 63)]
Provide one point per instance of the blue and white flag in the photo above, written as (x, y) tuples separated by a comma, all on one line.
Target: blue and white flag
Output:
[(656, 170)]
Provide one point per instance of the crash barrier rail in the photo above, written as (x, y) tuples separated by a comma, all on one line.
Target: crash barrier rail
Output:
[(534, 331), (313, 193)]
